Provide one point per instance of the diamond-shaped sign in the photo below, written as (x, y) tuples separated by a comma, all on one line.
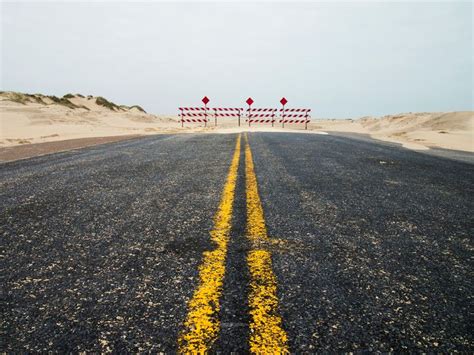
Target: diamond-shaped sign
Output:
[(249, 101), (205, 100), (283, 101)]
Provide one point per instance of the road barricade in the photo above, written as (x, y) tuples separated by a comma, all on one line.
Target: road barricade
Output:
[(227, 112), (295, 115), (194, 115), (261, 115)]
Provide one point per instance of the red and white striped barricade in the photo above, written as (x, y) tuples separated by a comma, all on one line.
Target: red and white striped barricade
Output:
[(194, 115), (227, 112), (295, 115), (261, 115)]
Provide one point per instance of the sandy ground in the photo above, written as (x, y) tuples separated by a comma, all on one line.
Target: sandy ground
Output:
[(30, 122), (38, 123), (452, 130)]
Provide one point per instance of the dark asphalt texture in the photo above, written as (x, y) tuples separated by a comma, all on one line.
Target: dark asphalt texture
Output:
[(101, 246)]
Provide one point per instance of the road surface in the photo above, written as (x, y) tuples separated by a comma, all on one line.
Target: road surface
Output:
[(273, 241)]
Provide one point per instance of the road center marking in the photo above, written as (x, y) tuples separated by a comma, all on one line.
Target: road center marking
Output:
[(266, 333), (202, 323)]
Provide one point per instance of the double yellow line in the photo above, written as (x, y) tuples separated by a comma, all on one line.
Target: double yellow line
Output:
[(202, 324)]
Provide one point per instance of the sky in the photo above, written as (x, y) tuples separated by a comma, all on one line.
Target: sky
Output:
[(341, 59)]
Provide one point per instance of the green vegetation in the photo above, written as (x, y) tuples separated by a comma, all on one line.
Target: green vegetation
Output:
[(104, 102), (36, 98), (128, 108), (63, 101), (18, 98), (21, 98), (139, 108)]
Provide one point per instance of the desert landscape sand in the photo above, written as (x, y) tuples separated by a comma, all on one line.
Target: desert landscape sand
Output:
[(28, 119)]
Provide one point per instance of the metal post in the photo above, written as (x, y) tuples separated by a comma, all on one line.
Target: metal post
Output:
[(273, 116), (283, 117), (215, 117), (306, 121), (205, 115), (182, 117), (239, 116), (250, 115)]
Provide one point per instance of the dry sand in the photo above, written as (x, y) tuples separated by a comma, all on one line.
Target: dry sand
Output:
[(34, 122), (452, 130), (37, 119)]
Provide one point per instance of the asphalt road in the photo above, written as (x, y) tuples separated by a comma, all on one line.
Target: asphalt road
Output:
[(371, 244)]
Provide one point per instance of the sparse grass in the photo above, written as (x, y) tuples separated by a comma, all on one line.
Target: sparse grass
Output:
[(23, 99), (18, 98), (36, 98), (128, 108), (139, 108), (63, 101), (104, 102), (54, 98)]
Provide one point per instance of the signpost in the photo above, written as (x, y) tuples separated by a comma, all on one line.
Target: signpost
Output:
[(205, 100), (283, 102), (249, 102)]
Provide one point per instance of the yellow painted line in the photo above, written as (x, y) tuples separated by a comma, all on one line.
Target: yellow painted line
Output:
[(202, 323), (266, 333)]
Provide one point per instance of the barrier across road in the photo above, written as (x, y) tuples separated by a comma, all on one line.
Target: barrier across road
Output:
[(254, 115), (227, 112), (195, 112), (198, 114), (261, 115), (301, 117)]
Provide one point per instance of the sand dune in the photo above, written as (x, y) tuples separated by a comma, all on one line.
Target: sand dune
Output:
[(452, 130), (26, 119), (37, 118)]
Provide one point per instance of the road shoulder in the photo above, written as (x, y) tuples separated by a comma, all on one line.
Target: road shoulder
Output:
[(19, 152)]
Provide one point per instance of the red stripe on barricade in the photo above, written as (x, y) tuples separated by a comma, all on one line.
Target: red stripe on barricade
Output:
[(262, 109), (262, 115), (200, 114), (194, 120), (296, 109), (226, 109), (226, 114), (261, 121), (293, 115), (194, 109), (295, 121)]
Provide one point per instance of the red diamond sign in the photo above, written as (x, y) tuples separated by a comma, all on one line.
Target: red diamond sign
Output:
[(249, 101), (205, 100), (283, 101)]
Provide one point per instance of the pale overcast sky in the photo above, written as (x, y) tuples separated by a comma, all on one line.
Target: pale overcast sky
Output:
[(340, 59)]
